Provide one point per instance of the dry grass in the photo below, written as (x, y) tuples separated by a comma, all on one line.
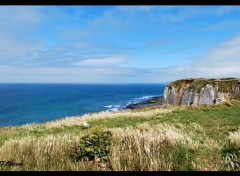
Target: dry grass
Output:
[(153, 139), (39, 154), (146, 148), (47, 154), (142, 148), (234, 138), (232, 152), (78, 120)]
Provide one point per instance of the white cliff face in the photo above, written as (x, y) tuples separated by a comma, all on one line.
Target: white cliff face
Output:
[(208, 95), (170, 96)]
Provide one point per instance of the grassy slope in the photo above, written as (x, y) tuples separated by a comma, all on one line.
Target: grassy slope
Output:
[(209, 126)]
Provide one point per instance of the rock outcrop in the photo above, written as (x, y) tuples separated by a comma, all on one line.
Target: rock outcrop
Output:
[(201, 91), (153, 101)]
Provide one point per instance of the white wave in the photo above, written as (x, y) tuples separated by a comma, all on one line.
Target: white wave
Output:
[(113, 110), (137, 100), (108, 106)]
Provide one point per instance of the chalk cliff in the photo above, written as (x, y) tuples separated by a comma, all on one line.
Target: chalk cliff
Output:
[(201, 91)]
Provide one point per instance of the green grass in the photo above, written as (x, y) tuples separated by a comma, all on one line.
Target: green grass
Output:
[(217, 120), (224, 84), (183, 157), (208, 124)]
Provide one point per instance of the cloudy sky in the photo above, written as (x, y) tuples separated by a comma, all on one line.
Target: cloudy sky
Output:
[(118, 44)]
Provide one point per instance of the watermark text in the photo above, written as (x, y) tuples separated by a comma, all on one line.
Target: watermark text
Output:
[(10, 163)]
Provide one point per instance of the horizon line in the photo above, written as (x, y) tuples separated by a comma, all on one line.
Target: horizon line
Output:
[(73, 83)]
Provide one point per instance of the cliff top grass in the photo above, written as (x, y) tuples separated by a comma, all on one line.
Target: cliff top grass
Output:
[(224, 84), (203, 137)]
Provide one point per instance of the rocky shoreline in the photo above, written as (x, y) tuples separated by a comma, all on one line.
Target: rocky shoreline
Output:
[(153, 101)]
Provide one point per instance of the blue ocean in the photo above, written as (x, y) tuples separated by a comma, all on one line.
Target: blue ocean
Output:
[(27, 103)]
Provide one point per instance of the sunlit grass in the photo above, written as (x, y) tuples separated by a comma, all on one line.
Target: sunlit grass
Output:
[(154, 138)]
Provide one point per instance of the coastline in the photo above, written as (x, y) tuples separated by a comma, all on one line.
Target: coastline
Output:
[(150, 102), (51, 102), (166, 124), (153, 101)]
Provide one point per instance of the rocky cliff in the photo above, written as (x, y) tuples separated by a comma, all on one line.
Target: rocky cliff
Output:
[(201, 91)]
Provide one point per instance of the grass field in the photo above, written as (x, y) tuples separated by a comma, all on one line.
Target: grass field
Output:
[(204, 137)]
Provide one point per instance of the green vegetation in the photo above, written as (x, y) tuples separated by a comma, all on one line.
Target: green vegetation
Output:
[(231, 153), (93, 146), (224, 84), (183, 157), (203, 137)]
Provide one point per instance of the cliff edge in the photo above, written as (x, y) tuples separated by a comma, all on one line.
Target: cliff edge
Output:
[(201, 91)]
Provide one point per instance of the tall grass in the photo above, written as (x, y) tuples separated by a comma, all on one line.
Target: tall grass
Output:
[(51, 153), (133, 149), (153, 139), (48, 153), (231, 152), (234, 138), (78, 120), (150, 148)]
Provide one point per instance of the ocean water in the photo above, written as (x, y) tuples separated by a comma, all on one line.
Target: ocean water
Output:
[(27, 103)]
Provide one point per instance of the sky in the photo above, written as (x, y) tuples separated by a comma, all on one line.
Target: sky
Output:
[(118, 44)]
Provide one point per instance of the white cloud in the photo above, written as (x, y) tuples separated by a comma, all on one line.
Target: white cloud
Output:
[(28, 31), (20, 17), (67, 74), (125, 19), (229, 23), (221, 61), (15, 48), (75, 55), (17, 40), (170, 14), (227, 51), (112, 60)]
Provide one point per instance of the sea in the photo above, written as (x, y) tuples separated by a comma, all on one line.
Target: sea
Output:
[(36, 103)]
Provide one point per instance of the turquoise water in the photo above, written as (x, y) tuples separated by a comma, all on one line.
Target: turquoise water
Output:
[(28, 103)]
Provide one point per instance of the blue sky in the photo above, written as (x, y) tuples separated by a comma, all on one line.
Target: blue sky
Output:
[(118, 44)]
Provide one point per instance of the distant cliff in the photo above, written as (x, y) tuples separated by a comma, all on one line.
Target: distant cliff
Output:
[(201, 91)]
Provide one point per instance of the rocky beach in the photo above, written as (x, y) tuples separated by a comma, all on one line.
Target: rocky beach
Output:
[(153, 101)]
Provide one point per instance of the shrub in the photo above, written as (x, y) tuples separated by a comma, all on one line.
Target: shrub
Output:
[(93, 146), (227, 78), (231, 155)]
